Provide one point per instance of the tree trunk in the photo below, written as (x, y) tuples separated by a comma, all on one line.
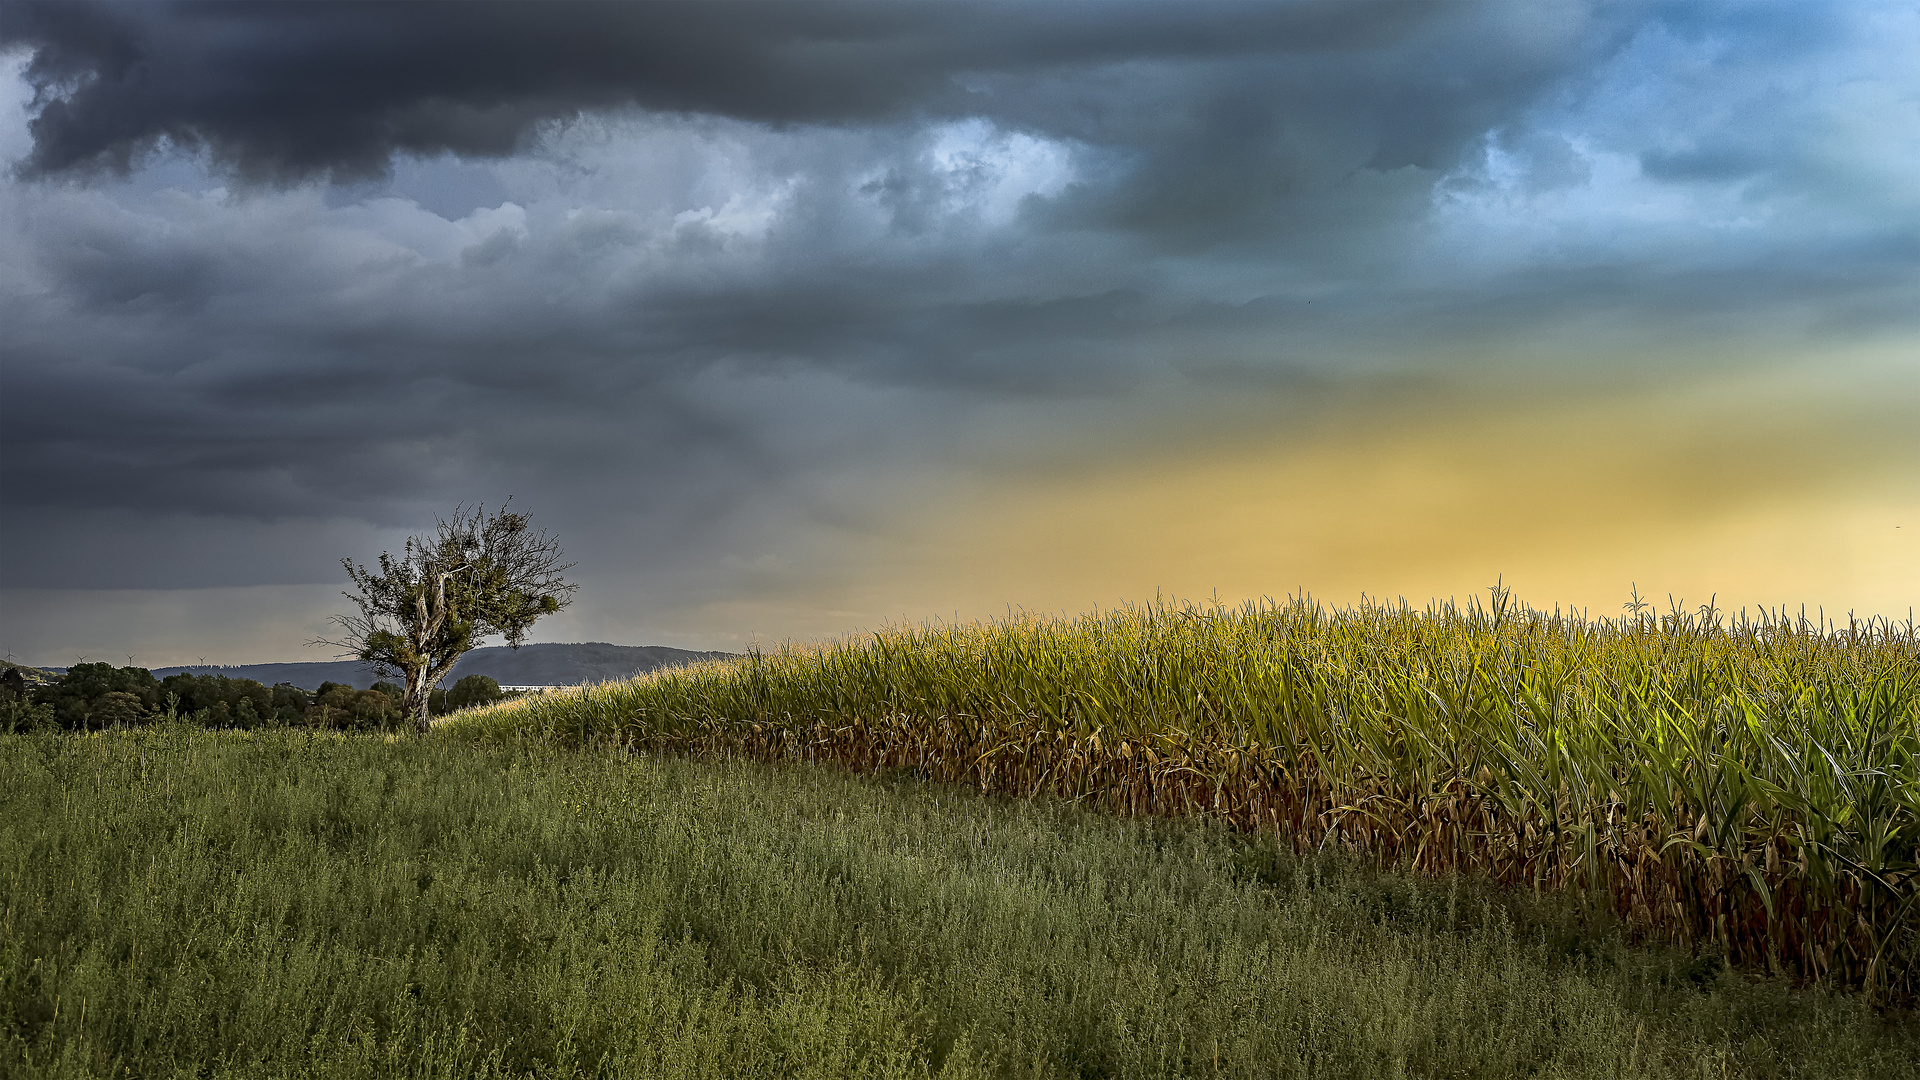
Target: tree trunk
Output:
[(427, 620), (419, 695)]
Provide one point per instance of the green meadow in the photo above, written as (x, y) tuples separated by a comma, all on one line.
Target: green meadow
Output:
[(303, 904)]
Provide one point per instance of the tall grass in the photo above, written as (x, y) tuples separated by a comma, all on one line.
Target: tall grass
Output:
[(290, 904), (1745, 784)]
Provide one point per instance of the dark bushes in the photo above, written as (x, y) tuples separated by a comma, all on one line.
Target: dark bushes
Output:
[(473, 690), (92, 697)]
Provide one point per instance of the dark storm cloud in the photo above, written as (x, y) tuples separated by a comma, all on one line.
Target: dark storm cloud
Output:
[(291, 90), (668, 261), (1227, 117)]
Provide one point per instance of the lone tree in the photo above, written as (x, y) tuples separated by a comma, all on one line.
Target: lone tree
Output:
[(476, 576)]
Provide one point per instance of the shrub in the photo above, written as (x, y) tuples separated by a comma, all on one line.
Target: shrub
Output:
[(473, 690)]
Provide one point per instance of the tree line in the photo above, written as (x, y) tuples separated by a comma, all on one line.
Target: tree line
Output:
[(94, 697)]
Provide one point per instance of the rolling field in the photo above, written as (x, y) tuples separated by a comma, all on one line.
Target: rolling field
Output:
[(1742, 786), (297, 904)]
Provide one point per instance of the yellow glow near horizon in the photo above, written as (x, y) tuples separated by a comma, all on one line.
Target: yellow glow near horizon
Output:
[(1791, 487)]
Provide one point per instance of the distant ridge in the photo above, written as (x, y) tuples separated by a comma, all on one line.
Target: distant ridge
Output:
[(32, 676), (532, 665)]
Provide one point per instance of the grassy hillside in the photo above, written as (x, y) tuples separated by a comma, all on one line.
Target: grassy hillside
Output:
[(1751, 787), (300, 905), (31, 676)]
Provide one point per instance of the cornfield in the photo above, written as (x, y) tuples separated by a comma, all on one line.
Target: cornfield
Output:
[(1743, 784)]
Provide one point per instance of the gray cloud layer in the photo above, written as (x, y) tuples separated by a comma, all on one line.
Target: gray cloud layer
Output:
[(281, 91), (685, 276)]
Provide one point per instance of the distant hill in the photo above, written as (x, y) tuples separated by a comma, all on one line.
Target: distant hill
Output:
[(572, 665), (32, 676), (532, 665)]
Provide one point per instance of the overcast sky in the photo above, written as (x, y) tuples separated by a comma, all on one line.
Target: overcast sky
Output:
[(796, 319)]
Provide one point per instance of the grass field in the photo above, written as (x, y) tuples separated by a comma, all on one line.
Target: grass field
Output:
[(289, 904), (1745, 785)]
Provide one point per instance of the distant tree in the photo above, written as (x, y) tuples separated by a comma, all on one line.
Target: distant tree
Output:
[(24, 714), (218, 701), (80, 697), (342, 708), (473, 690), (477, 575), (18, 711), (329, 708), (289, 703)]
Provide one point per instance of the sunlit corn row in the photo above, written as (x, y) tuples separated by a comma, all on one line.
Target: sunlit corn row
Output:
[(1748, 783)]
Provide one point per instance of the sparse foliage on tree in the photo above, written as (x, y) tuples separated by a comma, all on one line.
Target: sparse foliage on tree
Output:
[(477, 575)]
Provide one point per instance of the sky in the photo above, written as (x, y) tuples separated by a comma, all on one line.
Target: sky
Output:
[(796, 320)]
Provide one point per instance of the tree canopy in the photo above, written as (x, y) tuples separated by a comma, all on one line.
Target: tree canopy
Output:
[(475, 576)]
